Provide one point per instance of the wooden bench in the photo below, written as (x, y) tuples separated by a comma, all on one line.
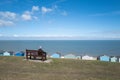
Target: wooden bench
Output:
[(33, 54)]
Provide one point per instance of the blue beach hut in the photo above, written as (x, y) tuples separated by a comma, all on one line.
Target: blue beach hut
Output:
[(19, 54), (113, 59), (70, 56), (6, 54), (55, 55), (104, 58)]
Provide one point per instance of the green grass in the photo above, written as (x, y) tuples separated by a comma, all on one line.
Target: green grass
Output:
[(15, 68)]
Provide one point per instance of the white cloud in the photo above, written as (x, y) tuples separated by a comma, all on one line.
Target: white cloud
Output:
[(100, 14), (71, 37), (115, 13), (45, 36), (35, 8), (35, 17), (6, 23), (50, 21), (1, 35), (8, 15), (27, 12), (15, 35), (64, 13), (46, 10), (7, 18), (107, 13), (26, 16), (55, 7), (29, 15)]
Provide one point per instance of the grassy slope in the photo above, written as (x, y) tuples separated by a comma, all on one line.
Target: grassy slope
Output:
[(15, 68)]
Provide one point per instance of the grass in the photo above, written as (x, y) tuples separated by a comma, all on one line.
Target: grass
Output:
[(15, 68)]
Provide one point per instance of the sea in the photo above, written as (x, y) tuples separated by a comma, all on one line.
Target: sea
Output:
[(77, 47)]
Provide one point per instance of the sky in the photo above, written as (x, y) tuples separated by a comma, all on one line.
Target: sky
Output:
[(59, 19)]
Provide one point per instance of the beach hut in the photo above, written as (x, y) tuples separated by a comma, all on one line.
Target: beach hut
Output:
[(11, 53), (19, 54), (55, 55), (78, 57), (86, 57), (118, 59), (1, 53), (113, 59), (104, 58), (62, 56), (70, 56), (6, 54)]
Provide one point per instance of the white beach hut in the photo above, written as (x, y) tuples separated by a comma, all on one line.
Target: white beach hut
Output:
[(70, 56), (6, 54), (62, 57), (113, 59), (119, 60), (86, 57)]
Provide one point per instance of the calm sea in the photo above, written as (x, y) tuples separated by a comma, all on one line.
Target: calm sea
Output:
[(77, 47)]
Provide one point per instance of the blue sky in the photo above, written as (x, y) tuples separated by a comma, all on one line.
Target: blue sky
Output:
[(60, 19)]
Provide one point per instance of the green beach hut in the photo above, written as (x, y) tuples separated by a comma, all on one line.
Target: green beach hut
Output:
[(70, 56), (78, 57)]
